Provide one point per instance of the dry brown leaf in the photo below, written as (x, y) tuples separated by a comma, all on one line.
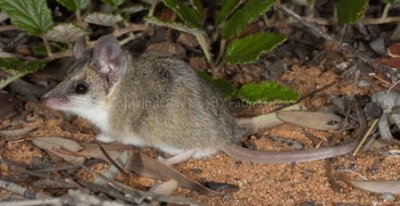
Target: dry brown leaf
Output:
[(166, 188), (314, 120), (187, 40), (384, 186), (392, 62), (16, 132), (145, 166), (394, 50), (59, 146)]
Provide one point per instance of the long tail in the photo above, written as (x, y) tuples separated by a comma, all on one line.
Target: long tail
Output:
[(244, 154)]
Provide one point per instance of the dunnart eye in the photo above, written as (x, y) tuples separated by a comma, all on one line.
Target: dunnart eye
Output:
[(81, 88)]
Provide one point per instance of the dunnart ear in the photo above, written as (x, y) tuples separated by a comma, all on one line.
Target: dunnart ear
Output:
[(79, 47), (110, 59)]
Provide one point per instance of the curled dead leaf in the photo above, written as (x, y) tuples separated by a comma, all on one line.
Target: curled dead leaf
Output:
[(394, 50), (166, 188), (264, 121), (383, 186), (314, 120)]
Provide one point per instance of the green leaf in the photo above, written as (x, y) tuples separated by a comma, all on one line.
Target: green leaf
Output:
[(73, 5), (103, 19), (65, 32), (188, 15), (248, 49), (244, 16), (255, 93), (224, 86), (114, 3), (227, 9), (134, 9), (16, 69), (13, 64), (350, 12), (33, 16)]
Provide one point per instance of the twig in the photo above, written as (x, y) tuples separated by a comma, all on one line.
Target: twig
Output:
[(25, 192), (74, 197), (46, 46), (365, 137), (311, 93), (12, 166), (326, 36), (129, 28), (8, 28), (111, 160), (362, 121)]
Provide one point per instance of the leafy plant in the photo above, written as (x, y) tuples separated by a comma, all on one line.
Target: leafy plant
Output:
[(236, 44), (32, 16)]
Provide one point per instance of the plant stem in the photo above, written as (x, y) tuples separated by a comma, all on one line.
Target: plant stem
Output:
[(205, 47), (4, 83), (222, 45), (152, 9), (79, 18), (386, 10), (47, 46)]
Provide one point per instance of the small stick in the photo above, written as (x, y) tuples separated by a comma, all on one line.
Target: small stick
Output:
[(365, 137), (18, 189), (111, 160)]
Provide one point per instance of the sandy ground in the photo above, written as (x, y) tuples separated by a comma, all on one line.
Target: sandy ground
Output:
[(260, 184)]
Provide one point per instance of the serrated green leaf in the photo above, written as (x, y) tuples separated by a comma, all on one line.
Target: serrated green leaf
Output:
[(244, 16), (66, 33), (33, 16), (13, 64), (227, 10), (248, 49), (114, 3), (73, 5), (224, 86), (103, 19), (350, 12), (134, 9), (188, 15), (16, 69), (255, 93)]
